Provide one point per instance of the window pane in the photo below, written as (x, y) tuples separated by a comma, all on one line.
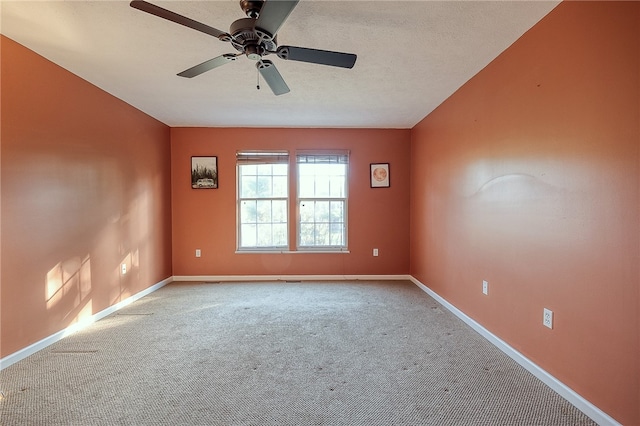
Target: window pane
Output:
[(280, 169), (264, 189), (280, 186), (279, 211), (322, 186), (247, 186), (280, 234), (248, 235), (322, 180), (249, 169), (306, 186), (264, 235), (264, 169), (337, 211), (335, 169), (322, 211), (248, 211), (322, 234), (337, 184), (306, 169), (264, 211), (307, 235), (337, 234), (306, 212)]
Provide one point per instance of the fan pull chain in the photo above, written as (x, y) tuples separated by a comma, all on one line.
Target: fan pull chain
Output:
[(258, 79)]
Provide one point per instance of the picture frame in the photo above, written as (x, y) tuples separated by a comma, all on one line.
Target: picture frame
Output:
[(204, 172), (379, 175)]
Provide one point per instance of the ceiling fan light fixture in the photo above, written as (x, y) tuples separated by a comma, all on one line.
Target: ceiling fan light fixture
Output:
[(253, 51)]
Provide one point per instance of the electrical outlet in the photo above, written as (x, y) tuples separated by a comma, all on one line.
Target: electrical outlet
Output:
[(198, 253), (485, 287), (375, 252), (123, 268), (547, 318)]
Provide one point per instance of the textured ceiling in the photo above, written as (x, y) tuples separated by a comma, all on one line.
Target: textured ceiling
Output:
[(412, 55)]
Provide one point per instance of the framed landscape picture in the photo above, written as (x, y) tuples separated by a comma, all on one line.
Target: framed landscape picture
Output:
[(204, 172), (380, 175)]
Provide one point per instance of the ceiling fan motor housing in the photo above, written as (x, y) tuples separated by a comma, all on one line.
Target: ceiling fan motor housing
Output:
[(246, 40)]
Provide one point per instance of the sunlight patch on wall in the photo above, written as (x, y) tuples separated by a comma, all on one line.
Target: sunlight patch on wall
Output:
[(85, 313), (69, 279)]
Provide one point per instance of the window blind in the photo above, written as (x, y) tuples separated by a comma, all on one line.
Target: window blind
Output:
[(262, 157), (326, 157)]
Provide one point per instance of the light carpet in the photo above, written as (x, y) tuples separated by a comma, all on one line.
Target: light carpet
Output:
[(310, 353)]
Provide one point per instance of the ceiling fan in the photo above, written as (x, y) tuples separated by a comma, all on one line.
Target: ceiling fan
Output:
[(254, 36)]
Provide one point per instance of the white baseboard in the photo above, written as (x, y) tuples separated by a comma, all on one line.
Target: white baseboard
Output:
[(596, 414), (35, 347), (223, 278)]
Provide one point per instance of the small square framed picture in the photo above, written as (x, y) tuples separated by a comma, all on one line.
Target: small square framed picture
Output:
[(380, 175)]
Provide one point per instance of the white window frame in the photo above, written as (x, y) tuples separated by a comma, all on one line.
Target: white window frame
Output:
[(261, 158), (322, 157)]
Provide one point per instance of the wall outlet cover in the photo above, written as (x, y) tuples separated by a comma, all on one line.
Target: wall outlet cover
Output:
[(547, 318)]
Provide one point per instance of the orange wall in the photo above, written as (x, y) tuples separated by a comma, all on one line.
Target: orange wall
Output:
[(85, 187), (528, 177), (206, 219)]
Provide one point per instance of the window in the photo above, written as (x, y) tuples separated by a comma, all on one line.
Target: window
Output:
[(322, 200), (263, 200)]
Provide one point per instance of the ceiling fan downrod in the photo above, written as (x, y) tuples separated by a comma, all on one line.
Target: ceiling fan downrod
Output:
[(251, 8)]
